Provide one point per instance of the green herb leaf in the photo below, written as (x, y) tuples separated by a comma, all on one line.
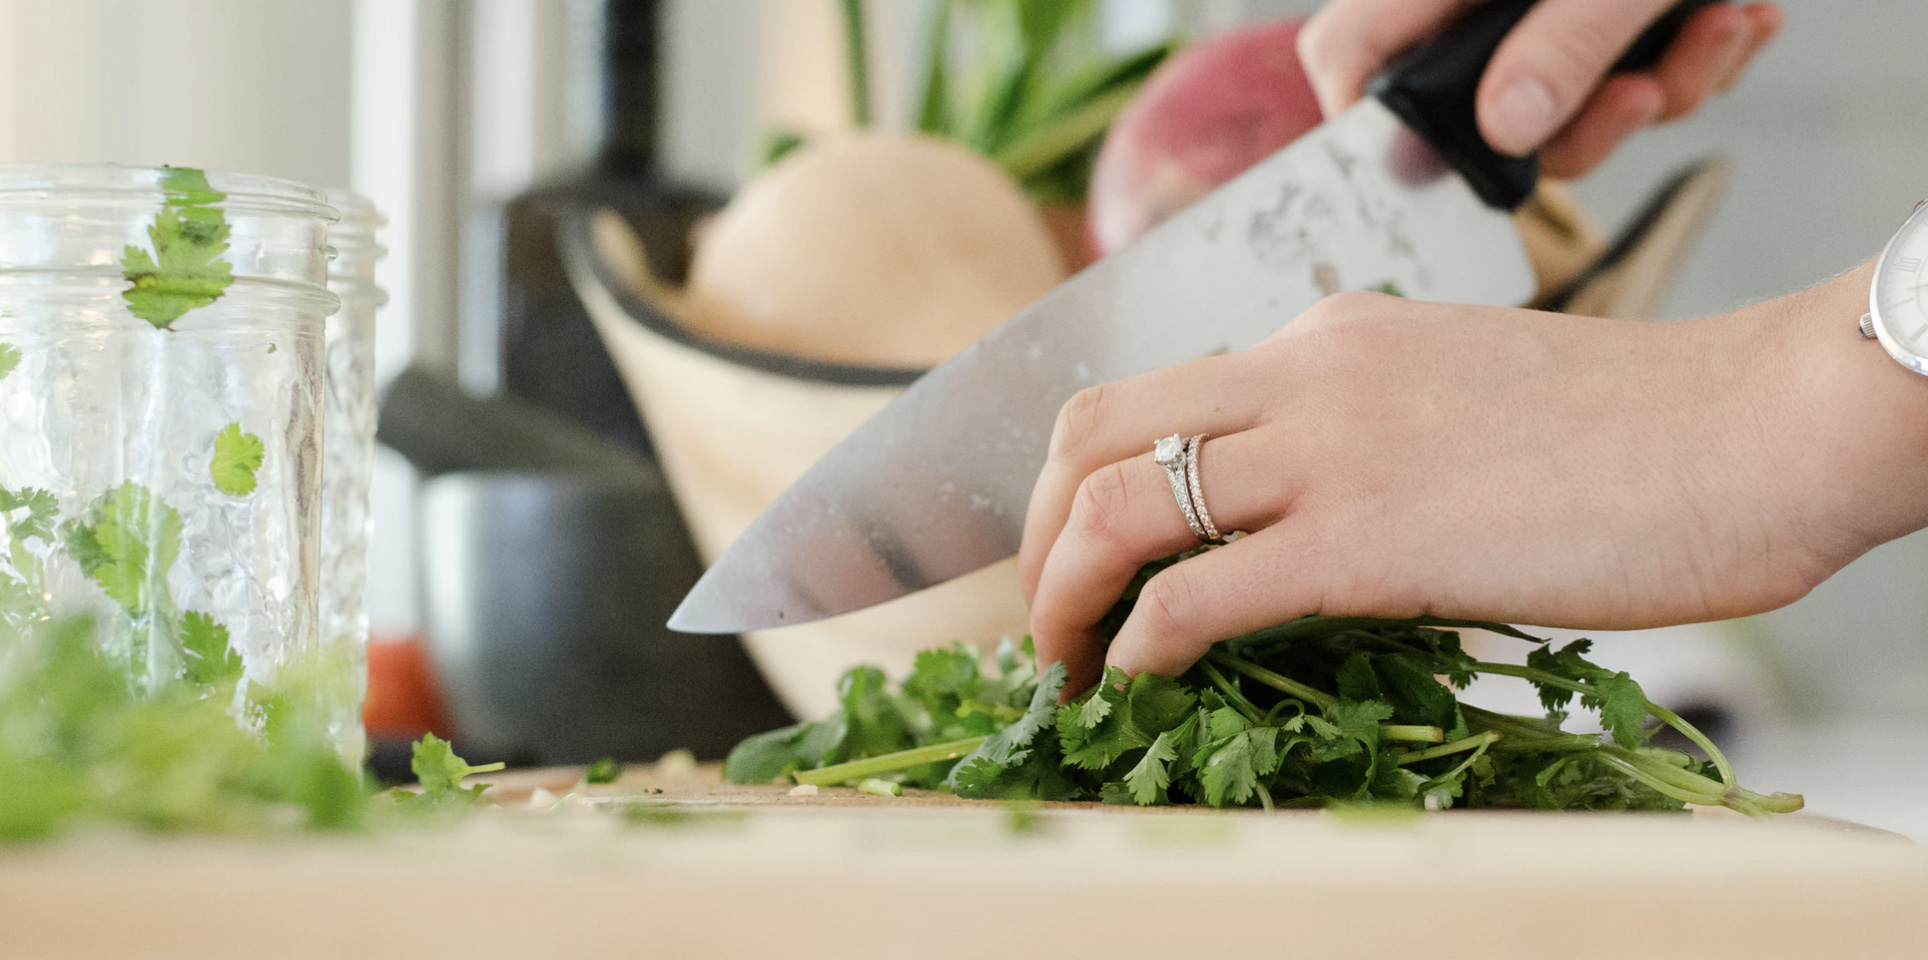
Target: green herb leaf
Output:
[(876, 725), (1022, 761), (1569, 663), (1120, 715), (1151, 776), (209, 658), (1623, 709), (185, 271), (441, 772), (606, 770), (947, 685), (42, 508), (1357, 681), (1360, 721), (779, 753), (237, 455), (1408, 682), (1232, 765), (126, 542), (9, 359)]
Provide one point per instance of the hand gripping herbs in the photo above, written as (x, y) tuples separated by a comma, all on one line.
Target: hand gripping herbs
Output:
[(1318, 712)]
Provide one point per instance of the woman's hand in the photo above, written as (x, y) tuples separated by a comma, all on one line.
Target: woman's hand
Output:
[(1544, 89), (1395, 458)]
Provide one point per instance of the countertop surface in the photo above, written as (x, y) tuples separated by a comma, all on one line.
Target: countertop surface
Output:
[(686, 867)]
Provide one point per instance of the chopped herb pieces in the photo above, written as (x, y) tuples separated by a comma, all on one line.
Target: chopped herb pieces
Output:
[(441, 773), (881, 788)]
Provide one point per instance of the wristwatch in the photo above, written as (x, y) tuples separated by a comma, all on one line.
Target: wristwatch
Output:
[(1898, 301)]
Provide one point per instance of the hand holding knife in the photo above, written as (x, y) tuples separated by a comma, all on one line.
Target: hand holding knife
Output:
[(1399, 192)]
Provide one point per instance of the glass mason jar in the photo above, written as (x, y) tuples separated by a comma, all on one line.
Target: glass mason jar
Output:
[(348, 461), (160, 419)]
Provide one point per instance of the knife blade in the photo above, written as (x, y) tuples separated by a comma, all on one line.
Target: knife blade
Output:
[(1400, 192)]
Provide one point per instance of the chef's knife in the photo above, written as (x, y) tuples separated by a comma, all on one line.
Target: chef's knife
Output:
[(1400, 193)]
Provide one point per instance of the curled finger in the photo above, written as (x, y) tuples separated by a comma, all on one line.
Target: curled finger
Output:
[(1118, 421), (1348, 42), (1128, 514), (1548, 68), (1621, 108), (1271, 577)]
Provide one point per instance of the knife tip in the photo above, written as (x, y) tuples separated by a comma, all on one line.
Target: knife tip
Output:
[(704, 612), (687, 620)]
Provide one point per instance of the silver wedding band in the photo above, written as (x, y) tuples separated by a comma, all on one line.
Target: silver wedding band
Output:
[(1205, 529), (1179, 457)]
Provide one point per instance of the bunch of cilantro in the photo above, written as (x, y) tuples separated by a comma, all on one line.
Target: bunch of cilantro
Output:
[(1317, 712)]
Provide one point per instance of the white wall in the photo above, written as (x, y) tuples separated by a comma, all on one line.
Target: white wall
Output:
[(242, 85)]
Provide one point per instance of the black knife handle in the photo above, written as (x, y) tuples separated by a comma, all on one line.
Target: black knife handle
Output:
[(1434, 88)]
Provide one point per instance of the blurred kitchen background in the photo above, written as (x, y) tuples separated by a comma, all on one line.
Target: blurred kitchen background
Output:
[(481, 126)]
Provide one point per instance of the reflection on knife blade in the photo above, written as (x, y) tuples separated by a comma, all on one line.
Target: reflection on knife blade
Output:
[(936, 485)]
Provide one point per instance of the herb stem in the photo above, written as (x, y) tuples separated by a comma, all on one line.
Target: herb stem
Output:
[(1233, 695), (1485, 740), (887, 763), (1569, 743), (1476, 743), (1411, 733), (1647, 775), (934, 108), (1514, 727), (1659, 712), (1699, 739), (1678, 783), (857, 49), (1283, 684)]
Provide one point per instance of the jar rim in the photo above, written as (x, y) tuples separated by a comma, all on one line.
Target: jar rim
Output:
[(80, 182), (352, 239), (352, 207), (99, 284)]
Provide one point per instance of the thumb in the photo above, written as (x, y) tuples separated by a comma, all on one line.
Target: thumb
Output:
[(1550, 66)]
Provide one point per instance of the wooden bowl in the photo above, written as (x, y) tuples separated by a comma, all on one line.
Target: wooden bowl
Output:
[(733, 428)]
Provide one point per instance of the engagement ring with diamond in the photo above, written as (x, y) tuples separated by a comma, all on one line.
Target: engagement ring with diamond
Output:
[(1180, 460)]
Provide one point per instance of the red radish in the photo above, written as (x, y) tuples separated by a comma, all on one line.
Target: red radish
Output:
[(1208, 114)]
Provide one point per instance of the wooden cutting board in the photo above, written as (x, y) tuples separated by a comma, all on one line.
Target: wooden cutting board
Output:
[(706, 870)]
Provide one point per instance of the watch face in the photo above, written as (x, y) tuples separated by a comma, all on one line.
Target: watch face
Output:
[(1901, 290)]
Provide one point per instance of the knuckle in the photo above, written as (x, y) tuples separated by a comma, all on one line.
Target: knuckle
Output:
[(1569, 62), (1079, 421), (1356, 303), (1102, 508), (1683, 99), (1169, 604), (1334, 327)]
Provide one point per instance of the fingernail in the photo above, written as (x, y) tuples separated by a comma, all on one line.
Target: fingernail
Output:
[(1523, 116)]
